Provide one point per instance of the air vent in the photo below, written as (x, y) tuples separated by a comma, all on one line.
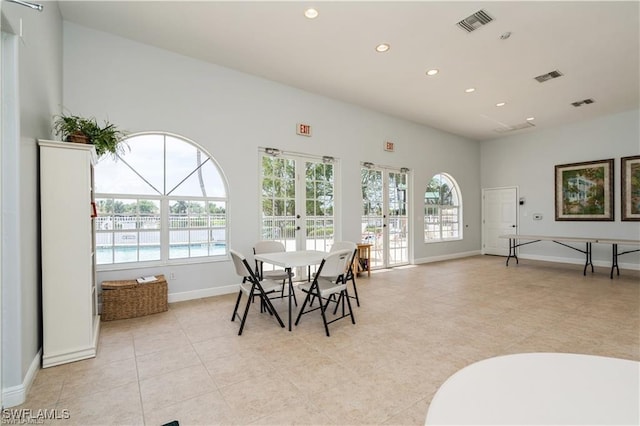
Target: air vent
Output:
[(584, 102), (548, 76), (475, 21), (520, 126)]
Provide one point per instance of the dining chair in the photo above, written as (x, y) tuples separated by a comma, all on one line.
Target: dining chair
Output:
[(270, 246), (252, 287), (327, 283)]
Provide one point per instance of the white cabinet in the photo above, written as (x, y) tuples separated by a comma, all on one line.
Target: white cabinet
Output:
[(69, 296)]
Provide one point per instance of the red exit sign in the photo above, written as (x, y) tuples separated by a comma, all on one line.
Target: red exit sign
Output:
[(303, 129)]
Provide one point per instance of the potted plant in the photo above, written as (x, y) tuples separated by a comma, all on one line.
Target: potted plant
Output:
[(106, 138)]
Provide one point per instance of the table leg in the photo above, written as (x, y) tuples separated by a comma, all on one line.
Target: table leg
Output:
[(290, 294), (614, 260), (589, 259), (512, 250)]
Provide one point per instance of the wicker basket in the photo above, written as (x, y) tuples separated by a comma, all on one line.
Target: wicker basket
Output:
[(128, 299)]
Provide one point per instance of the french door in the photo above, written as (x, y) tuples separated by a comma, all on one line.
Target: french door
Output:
[(385, 220), (298, 200)]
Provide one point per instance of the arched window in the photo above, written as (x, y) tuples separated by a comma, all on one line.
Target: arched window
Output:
[(442, 209), (164, 200)]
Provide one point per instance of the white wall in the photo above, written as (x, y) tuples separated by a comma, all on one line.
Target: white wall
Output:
[(39, 97), (142, 88), (527, 161)]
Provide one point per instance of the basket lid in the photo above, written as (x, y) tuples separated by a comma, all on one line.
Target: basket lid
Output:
[(114, 285)]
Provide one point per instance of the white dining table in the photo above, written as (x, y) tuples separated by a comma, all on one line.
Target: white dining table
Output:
[(290, 260), (540, 389)]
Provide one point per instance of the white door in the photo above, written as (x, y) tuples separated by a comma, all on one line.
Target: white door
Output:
[(499, 217)]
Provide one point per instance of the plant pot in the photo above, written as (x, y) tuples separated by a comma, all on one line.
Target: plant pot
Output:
[(78, 138)]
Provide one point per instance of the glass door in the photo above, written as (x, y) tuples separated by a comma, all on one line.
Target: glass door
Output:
[(373, 216), (298, 200), (278, 181), (398, 224), (385, 222)]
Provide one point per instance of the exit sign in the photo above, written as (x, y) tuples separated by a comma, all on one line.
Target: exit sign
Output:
[(388, 146), (303, 129)]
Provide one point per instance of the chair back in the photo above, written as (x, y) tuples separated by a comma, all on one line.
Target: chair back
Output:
[(346, 245), (242, 267), (334, 264), (343, 245), (268, 246)]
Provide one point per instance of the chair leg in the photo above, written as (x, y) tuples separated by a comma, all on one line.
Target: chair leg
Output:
[(338, 304), (355, 290), (264, 307), (293, 293), (269, 306), (353, 319), (322, 311), (304, 305), (246, 311), (235, 310)]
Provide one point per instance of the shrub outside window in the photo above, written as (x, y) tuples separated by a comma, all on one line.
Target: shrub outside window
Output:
[(442, 210), (164, 200)]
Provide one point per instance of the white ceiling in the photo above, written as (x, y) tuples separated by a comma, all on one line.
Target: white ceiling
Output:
[(595, 45)]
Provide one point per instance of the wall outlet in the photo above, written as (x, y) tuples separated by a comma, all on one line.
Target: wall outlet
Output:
[(172, 275), (537, 216)]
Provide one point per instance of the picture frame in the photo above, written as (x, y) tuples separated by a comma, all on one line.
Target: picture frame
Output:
[(584, 191), (630, 188)]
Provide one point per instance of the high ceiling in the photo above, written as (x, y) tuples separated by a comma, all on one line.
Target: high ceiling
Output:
[(594, 45)]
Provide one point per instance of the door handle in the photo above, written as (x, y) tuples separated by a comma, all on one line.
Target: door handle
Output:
[(513, 226)]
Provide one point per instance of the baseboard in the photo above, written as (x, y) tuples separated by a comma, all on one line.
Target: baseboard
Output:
[(447, 257), (575, 261), (51, 360), (16, 395), (199, 294)]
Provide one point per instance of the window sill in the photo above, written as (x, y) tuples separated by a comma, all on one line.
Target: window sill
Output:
[(443, 240), (156, 264)]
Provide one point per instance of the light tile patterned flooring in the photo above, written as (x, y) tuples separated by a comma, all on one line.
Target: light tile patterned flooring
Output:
[(416, 326)]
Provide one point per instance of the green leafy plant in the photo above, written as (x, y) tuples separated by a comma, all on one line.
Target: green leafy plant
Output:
[(107, 138)]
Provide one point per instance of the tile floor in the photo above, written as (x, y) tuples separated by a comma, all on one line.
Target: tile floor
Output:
[(416, 326)]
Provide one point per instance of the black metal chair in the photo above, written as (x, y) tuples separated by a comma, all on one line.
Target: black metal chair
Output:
[(328, 285), (253, 287)]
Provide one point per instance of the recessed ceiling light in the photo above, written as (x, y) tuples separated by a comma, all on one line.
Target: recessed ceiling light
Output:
[(499, 104), (433, 72), (382, 47), (470, 90), (505, 36), (531, 118), (311, 13)]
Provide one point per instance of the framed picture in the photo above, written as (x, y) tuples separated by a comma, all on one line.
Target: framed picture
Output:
[(630, 187), (584, 191)]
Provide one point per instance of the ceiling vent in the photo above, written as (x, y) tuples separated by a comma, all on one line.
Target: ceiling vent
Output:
[(584, 102), (475, 21), (520, 126), (548, 76)]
